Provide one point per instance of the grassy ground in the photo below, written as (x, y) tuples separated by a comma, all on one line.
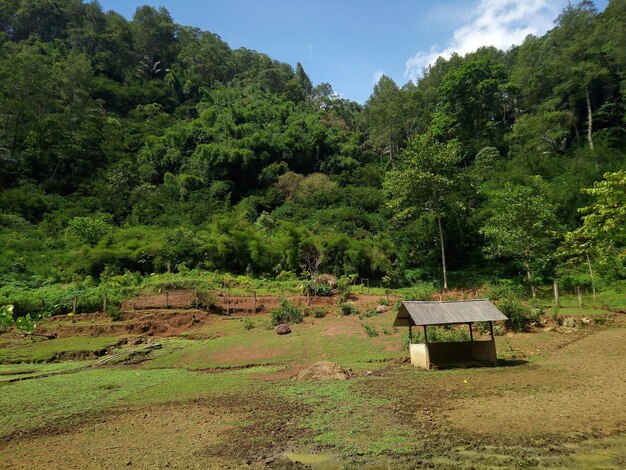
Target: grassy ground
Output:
[(219, 395)]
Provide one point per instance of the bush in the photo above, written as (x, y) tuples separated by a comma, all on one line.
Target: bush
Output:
[(286, 312), (313, 288), (370, 330), (317, 312), (248, 324), (114, 312), (370, 312), (437, 334), (344, 286), (424, 291), (346, 308), (503, 290), (518, 314), (383, 301)]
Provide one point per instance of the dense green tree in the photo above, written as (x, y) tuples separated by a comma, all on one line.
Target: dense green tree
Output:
[(426, 181), (521, 224)]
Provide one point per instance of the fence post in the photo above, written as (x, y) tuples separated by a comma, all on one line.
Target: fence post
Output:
[(74, 302), (579, 291), (167, 299), (557, 297)]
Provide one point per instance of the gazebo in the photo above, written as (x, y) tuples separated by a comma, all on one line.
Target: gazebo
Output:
[(455, 312)]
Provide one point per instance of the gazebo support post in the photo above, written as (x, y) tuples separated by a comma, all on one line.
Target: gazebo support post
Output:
[(425, 335), (410, 332), (491, 331), (471, 332)]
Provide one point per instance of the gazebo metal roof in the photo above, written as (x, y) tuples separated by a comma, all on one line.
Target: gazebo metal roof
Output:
[(425, 313)]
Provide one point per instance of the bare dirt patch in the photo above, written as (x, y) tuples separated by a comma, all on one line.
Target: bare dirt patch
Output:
[(208, 433), (324, 370)]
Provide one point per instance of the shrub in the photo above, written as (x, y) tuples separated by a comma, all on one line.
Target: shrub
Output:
[(346, 308), (423, 291), (383, 301), (6, 317), (518, 314), (370, 312), (313, 288), (370, 330), (248, 324), (503, 290), (286, 312), (344, 286), (114, 312), (437, 334), (318, 312), (206, 300)]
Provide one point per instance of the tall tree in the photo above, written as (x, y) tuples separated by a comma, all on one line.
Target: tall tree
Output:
[(383, 116), (425, 181), (521, 225)]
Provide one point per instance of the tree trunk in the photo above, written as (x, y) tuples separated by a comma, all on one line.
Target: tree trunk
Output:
[(593, 284), (589, 123), (529, 277), (443, 254)]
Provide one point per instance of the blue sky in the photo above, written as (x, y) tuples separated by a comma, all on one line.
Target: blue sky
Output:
[(350, 43)]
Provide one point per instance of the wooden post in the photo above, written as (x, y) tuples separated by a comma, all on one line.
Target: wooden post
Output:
[(471, 332), (463, 294), (491, 331), (195, 298), (368, 285), (227, 304), (254, 301), (410, 333), (579, 291), (308, 298), (167, 299), (74, 302), (282, 292), (104, 303), (557, 297), (593, 283), (425, 335)]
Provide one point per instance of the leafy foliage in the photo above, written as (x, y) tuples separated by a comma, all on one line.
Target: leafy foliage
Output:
[(151, 147), (287, 312)]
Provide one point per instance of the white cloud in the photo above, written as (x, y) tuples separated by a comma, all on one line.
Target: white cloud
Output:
[(499, 23), (376, 76)]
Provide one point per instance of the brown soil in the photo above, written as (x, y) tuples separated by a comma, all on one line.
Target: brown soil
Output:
[(144, 322), (324, 370), (202, 434)]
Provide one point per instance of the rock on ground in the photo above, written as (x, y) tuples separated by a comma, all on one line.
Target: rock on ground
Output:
[(283, 329)]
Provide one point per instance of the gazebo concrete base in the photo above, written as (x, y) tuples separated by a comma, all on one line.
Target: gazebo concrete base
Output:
[(420, 356), (423, 355)]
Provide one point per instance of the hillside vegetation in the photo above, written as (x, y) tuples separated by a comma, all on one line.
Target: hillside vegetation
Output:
[(145, 146)]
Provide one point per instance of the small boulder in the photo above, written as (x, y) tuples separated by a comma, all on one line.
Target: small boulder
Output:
[(586, 321), (283, 329), (569, 323), (381, 309)]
